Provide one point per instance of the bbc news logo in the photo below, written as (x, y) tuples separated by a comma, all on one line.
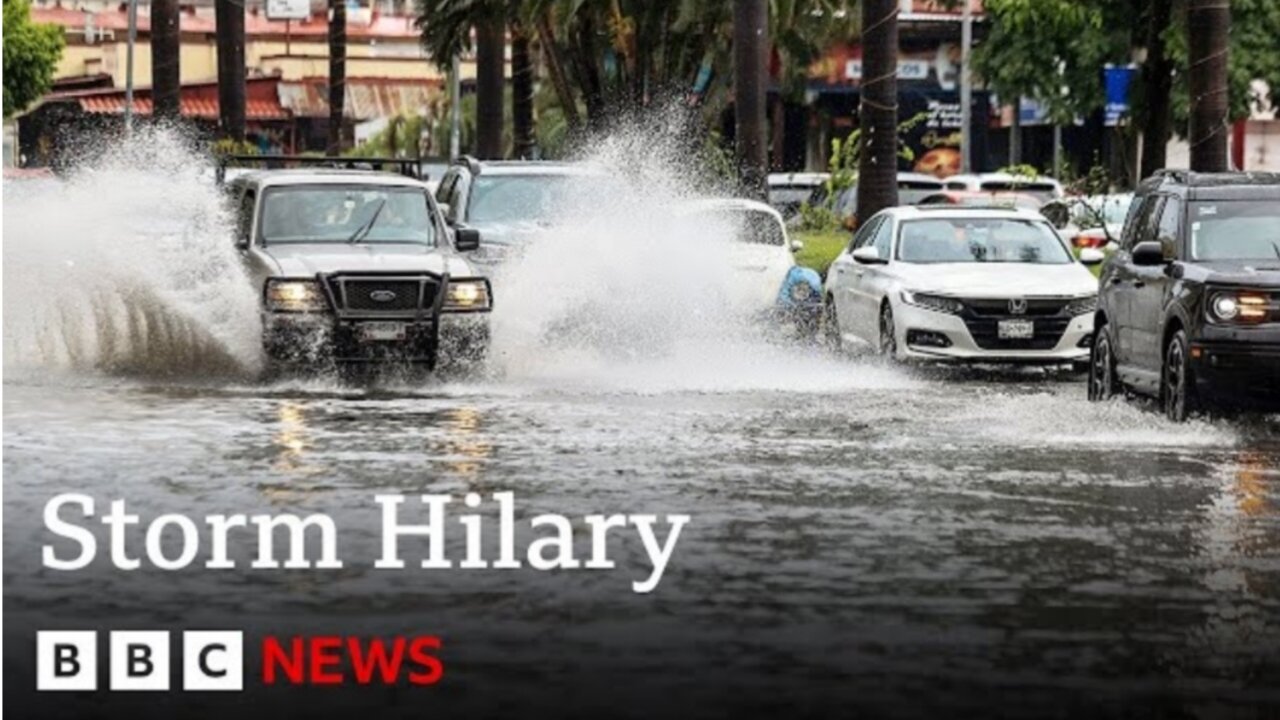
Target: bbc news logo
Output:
[(213, 660)]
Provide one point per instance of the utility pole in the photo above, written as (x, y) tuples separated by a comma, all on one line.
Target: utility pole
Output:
[(337, 74), (966, 89), (166, 51), (1208, 27), (128, 66), (750, 69), (878, 109), (229, 19)]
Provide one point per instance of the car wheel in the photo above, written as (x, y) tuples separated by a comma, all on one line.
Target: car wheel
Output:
[(1177, 387), (830, 325), (888, 333), (1102, 367)]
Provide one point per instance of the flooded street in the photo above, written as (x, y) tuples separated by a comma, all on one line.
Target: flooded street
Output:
[(901, 541), (902, 528)]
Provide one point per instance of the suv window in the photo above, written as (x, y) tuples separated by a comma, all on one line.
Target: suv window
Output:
[(1167, 228), (244, 224), (1142, 221)]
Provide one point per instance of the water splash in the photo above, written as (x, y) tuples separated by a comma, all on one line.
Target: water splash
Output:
[(126, 267)]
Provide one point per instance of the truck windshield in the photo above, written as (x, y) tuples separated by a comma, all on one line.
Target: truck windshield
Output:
[(980, 240), (346, 213), (1235, 230)]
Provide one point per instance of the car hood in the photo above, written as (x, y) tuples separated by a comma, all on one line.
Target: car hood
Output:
[(302, 259), (998, 280), (1258, 273)]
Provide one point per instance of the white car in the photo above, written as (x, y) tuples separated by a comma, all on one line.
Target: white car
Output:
[(788, 191), (948, 283), (762, 257), (1042, 188)]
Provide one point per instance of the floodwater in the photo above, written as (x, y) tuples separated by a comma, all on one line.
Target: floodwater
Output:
[(863, 537)]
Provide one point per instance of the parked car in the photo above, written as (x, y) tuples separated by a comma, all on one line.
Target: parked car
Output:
[(783, 291), (1189, 311), (983, 199), (912, 188), (1042, 188), (788, 191), (355, 267), (959, 284), (511, 202)]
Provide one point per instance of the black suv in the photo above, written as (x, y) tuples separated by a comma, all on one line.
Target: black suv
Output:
[(1189, 306)]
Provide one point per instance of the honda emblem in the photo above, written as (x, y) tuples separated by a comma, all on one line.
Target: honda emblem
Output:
[(1018, 306)]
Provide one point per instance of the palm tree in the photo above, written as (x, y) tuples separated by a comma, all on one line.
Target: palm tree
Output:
[(1208, 25), (337, 73), (750, 88), (521, 92), (878, 110), (229, 19), (490, 84), (166, 78)]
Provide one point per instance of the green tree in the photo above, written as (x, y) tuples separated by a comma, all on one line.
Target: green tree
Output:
[(31, 53)]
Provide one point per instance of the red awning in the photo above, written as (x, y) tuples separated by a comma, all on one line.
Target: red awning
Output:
[(192, 107)]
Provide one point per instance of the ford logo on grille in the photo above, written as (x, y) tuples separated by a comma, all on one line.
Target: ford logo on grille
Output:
[(382, 296)]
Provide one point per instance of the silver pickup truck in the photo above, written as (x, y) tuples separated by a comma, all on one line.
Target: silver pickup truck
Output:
[(355, 268)]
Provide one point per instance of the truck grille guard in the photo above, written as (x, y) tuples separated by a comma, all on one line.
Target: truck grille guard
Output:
[(344, 291)]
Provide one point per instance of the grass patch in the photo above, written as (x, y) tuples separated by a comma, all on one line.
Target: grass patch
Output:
[(820, 248)]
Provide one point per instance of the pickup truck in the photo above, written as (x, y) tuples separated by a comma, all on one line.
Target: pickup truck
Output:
[(357, 268)]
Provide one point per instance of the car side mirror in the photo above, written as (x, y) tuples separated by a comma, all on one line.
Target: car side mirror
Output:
[(796, 246), (1057, 213), (867, 255), (1092, 256), (1148, 253), (466, 239)]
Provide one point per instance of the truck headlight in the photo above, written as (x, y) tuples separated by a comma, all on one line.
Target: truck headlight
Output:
[(937, 303), (465, 295), (295, 296), (1242, 307)]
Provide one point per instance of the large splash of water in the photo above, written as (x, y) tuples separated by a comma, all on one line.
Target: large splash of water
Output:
[(126, 266)]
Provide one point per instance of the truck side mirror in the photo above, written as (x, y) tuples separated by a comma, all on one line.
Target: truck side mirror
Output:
[(1148, 253), (466, 239)]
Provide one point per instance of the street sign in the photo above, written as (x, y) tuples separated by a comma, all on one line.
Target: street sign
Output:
[(1117, 79), (288, 9)]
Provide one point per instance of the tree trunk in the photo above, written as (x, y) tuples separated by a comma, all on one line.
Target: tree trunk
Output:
[(337, 74), (878, 112), (1208, 24), (521, 94), (490, 47), (1015, 134), (166, 78), (750, 71), (1157, 84), (229, 19), (555, 67)]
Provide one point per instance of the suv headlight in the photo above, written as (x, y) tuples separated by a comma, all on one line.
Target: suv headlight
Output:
[(1236, 306), (294, 296), (1082, 306), (937, 303), (467, 295)]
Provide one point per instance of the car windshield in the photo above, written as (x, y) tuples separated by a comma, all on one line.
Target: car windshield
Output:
[(980, 240), (749, 226), (346, 213), (514, 198), (1235, 230)]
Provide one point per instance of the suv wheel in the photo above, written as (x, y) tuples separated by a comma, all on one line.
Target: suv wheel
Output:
[(1177, 386), (1102, 366), (888, 333)]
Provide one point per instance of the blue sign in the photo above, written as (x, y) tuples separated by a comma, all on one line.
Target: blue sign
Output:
[(1118, 79)]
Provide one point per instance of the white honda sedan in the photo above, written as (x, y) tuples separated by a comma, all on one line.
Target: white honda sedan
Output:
[(963, 284)]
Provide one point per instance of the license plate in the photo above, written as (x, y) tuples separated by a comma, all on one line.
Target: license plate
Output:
[(382, 331), (1016, 329)]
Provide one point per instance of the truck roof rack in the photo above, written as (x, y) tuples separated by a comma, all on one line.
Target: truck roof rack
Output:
[(408, 167)]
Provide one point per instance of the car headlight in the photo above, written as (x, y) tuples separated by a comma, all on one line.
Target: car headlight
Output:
[(1082, 306), (937, 303), (465, 295), (1239, 306), (801, 292), (295, 296)]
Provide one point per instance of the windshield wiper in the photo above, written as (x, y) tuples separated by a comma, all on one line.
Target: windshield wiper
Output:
[(364, 229)]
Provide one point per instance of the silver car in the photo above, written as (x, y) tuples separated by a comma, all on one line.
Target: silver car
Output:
[(357, 267)]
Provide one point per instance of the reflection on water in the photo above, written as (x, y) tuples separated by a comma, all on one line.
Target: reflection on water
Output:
[(293, 439)]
